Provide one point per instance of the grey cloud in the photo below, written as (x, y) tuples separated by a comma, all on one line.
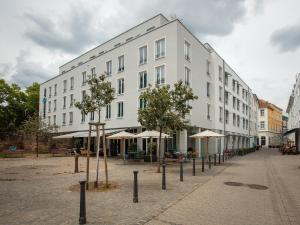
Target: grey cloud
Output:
[(71, 33), (27, 71), (5, 70), (287, 39)]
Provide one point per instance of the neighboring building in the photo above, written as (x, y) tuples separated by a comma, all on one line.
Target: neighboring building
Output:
[(157, 51), (284, 128), (293, 111), (270, 124)]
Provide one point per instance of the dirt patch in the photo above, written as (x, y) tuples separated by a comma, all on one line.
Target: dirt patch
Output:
[(257, 186), (112, 186), (233, 183)]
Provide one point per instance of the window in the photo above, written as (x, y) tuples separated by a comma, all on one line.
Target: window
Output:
[(82, 117), (187, 50), (233, 85), (71, 100), (83, 93), (121, 63), (63, 119), (262, 124), (65, 86), (64, 102), (226, 79), (220, 74), (83, 78), (55, 89), (263, 140), (187, 76), (238, 88), (233, 119), (108, 68), (243, 123), (238, 121), (50, 92), (49, 106), (226, 97), (108, 112), (93, 72), (120, 109), (220, 114), (143, 83), (49, 120), (226, 116), (243, 93), (143, 55), (207, 67), (54, 107), (238, 105), (72, 83), (54, 120), (208, 89), (142, 103), (262, 112), (220, 93), (92, 116), (160, 74), (70, 118), (121, 86), (160, 48), (233, 102), (208, 111), (243, 109)]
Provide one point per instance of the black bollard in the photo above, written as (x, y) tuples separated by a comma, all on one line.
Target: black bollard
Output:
[(202, 164), (194, 167), (82, 213), (163, 186), (135, 187), (215, 159), (219, 158), (181, 171), (209, 161)]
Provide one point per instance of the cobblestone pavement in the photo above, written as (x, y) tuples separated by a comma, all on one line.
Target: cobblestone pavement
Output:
[(242, 204), (36, 191)]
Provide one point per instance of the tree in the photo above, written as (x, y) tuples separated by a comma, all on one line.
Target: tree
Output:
[(32, 102), (102, 94), (166, 109), (35, 126)]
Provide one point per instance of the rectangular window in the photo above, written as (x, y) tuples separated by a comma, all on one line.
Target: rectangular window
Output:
[(187, 76), (121, 63), (208, 67), (143, 55), (83, 78), (50, 88), (233, 101), (55, 89), (238, 88), (83, 93), (54, 120), (187, 50), (226, 79), (108, 68), (93, 72), (70, 118), (226, 116), (49, 120), (64, 102), (54, 107), (220, 114), (120, 110), (143, 83), (234, 119), (121, 86), (108, 112), (238, 105), (243, 109), (226, 97), (82, 117), (233, 85), (238, 121), (65, 86), (243, 123), (220, 93), (72, 83), (220, 73), (49, 106), (262, 124), (142, 103), (63, 119), (208, 89), (92, 116), (262, 112), (208, 111), (160, 74), (71, 100), (160, 48)]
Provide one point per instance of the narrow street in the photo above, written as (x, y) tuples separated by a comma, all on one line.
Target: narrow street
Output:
[(260, 188)]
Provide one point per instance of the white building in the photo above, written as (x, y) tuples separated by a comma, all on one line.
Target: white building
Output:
[(157, 51)]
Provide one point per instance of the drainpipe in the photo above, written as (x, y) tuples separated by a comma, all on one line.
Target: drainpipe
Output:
[(248, 100), (224, 125)]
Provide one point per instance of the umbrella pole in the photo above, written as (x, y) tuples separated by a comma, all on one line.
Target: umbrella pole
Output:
[(206, 148), (124, 148)]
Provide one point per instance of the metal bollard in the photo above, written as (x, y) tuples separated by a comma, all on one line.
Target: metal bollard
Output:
[(202, 164), (209, 161), (194, 167), (82, 213), (219, 158), (215, 159), (163, 186), (135, 187), (181, 171)]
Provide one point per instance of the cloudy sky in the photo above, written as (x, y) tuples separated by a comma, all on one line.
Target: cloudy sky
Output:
[(260, 39)]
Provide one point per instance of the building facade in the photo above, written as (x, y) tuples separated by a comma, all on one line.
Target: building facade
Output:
[(156, 52), (270, 124)]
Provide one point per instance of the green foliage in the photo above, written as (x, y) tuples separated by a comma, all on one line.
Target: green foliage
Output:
[(17, 105)]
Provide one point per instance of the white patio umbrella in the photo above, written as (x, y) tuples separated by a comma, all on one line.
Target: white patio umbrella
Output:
[(122, 135), (206, 134)]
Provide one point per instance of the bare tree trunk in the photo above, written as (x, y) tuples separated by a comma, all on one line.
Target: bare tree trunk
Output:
[(88, 158), (105, 158), (159, 150), (98, 150)]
